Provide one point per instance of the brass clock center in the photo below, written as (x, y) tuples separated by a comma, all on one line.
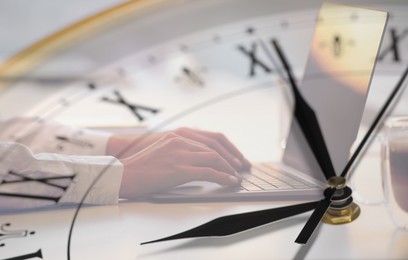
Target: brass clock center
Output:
[(337, 182), (342, 210)]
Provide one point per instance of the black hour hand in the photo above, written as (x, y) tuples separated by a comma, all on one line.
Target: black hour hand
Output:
[(233, 224), (307, 120)]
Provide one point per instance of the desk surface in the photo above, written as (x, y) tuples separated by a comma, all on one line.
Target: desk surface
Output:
[(115, 232)]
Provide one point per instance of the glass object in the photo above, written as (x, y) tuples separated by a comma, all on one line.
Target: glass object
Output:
[(368, 168), (395, 169)]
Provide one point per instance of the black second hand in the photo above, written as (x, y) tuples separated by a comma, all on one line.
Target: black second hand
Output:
[(375, 123)]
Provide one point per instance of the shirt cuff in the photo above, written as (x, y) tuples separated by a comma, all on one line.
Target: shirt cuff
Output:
[(88, 179)]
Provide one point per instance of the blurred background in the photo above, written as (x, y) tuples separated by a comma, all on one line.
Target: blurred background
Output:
[(23, 22)]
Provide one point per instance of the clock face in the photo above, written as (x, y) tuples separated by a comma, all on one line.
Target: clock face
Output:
[(203, 64)]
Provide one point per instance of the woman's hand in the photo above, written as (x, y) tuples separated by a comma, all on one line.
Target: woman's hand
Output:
[(174, 160), (128, 145)]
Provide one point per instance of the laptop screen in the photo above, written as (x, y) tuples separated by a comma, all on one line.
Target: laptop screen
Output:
[(336, 82)]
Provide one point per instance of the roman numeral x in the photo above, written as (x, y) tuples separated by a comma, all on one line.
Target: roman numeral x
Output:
[(393, 48)]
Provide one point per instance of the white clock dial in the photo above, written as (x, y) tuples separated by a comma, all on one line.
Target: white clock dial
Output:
[(205, 64)]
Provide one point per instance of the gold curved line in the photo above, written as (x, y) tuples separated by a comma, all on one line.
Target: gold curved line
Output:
[(25, 60)]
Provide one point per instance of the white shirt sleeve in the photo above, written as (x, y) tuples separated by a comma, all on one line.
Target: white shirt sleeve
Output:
[(39, 165)]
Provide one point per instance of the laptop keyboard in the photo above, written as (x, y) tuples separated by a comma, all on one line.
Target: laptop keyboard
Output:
[(264, 177)]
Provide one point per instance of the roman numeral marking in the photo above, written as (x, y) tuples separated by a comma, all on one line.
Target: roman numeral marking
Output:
[(45, 181), (393, 49), (193, 76), (72, 141), (120, 100), (254, 60), (337, 45)]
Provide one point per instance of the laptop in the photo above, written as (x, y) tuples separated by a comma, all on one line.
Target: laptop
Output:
[(336, 93)]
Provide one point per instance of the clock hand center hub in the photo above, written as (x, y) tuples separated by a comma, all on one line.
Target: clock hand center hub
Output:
[(342, 209), (336, 182)]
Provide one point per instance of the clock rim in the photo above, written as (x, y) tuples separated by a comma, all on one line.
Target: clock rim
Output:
[(26, 59), (23, 61)]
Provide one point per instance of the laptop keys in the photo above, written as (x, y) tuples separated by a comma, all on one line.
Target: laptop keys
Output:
[(264, 177)]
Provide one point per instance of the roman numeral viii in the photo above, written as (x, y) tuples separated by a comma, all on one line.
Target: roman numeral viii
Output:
[(45, 181)]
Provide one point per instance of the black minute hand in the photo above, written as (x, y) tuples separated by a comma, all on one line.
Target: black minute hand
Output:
[(307, 120), (311, 129)]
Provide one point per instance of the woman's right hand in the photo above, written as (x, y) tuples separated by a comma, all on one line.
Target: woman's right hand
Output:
[(171, 161)]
